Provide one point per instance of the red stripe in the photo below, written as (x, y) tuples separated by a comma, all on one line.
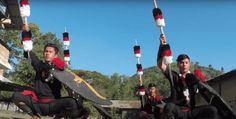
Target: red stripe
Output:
[(66, 55), (158, 98), (29, 92), (182, 78), (26, 39), (184, 109), (167, 53), (139, 70), (137, 52), (66, 39), (46, 100), (159, 17), (141, 90), (24, 2)]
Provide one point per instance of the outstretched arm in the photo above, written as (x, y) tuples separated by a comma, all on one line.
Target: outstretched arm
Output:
[(35, 62), (164, 56)]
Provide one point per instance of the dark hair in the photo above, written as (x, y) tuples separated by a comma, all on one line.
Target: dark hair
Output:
[(53, 46), (182, 57), (151, 85)]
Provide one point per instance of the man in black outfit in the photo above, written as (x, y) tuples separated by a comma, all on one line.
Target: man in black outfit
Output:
[(184, 87), (46, 98)]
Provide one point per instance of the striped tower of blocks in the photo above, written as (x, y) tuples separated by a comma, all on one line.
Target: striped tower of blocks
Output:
[(137, 52), (66, 43)]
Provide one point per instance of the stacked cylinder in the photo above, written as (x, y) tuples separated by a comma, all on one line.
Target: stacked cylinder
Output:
[(137, 52), (158, 17), (66, 43)]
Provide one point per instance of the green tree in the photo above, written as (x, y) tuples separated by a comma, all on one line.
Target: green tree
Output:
[(97, 80)]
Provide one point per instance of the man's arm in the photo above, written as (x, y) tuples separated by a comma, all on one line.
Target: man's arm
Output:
[(164, 56), (164, 59), (34, 60)]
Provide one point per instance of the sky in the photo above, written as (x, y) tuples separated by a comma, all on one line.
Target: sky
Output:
[(103, 32)]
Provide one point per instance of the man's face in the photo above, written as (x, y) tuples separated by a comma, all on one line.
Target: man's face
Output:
[(184, 66), (152, 89), (49, 54)]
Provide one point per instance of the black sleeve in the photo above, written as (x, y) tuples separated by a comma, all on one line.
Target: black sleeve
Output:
[(35, 62), (169, 73), (174, 75), (192, 80)]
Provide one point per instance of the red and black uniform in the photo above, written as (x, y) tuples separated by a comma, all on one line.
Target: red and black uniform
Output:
[(46, 99), (43, 88), (184, 91)]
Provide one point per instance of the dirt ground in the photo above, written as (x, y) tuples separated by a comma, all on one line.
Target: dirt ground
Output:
[(16, 115)]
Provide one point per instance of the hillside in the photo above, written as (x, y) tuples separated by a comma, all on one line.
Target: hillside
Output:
[(123, 87)]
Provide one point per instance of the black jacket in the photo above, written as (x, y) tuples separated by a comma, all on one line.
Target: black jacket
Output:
[(43, 88), (191, 82)]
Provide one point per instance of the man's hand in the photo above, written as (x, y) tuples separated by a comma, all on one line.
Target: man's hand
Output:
[(25, 27), (162, 39)]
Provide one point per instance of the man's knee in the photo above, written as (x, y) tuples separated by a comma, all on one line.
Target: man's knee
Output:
[(75, 108), (169, 111), (17, 98), (70, 102), (143, 115)]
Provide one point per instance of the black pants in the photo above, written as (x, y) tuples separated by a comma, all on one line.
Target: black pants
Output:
[(63, 106), (205, 112), (172, 111), (145, 115), (26, 103), (154, 113)]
